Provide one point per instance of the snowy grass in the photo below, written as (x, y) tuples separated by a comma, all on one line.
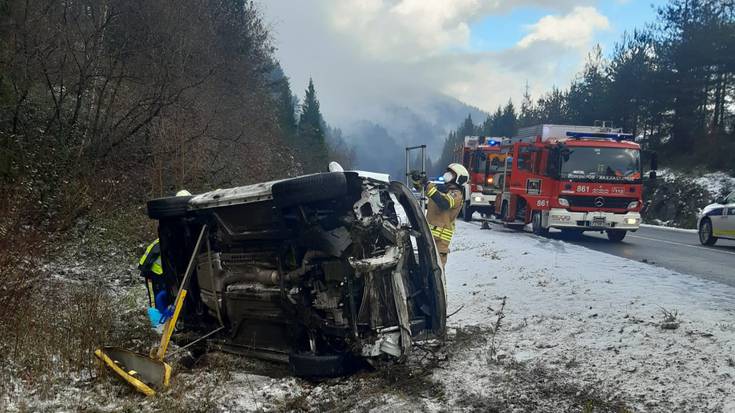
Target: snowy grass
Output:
[(580, 331), (599, 316)]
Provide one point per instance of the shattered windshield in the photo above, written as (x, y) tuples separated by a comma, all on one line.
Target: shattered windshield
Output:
[(606, 164)]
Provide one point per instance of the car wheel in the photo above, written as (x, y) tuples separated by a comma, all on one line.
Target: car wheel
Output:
[(309, 188), (467, 212), (705, 233), (169, 207), (538, 229), (616, 235), (307, 364)]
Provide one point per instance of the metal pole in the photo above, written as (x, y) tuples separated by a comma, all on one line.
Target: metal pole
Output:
[(408, 171), (423, 169)]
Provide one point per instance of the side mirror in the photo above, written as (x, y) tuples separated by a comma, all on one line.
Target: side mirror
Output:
[(652, 175), (654, 161)]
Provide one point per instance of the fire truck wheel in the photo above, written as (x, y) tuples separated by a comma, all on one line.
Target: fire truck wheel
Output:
[(538, 229), (467, 212), (616, 235), (504, 211)]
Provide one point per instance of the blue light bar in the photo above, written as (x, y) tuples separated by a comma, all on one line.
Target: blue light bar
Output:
[(616, 136)]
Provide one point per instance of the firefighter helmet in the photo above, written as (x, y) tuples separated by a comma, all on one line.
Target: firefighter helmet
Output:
[(460, 172)]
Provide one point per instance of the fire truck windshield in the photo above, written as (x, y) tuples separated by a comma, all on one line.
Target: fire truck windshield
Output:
[(600, 164)]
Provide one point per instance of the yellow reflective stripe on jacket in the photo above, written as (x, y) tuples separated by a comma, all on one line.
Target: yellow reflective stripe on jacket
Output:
[(432, 190), (445, 234), (147, 251), (157, 268)]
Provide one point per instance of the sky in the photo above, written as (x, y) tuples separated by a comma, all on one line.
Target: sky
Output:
[(366, 53)]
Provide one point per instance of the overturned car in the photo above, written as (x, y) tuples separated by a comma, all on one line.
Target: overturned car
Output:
[(319, 271)]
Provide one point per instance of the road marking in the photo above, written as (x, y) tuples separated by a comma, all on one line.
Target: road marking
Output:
[(673, 229), (683, 245)]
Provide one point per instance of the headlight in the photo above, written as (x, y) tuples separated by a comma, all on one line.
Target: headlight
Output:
[(631, 221), (633, 205), (563, 202), (478, 199), (490, 180)]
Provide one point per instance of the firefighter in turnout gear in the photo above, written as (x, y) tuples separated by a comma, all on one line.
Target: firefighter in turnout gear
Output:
[(444, 205)]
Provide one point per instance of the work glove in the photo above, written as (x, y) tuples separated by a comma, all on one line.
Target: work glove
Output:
[(419, 179)]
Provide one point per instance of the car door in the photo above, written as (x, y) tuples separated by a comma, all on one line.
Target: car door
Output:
[(728, 219)]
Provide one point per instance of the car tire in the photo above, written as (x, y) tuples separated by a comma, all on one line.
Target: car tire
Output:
[(616, 235), (309, 188), (308, 364), (467, 212), (705, 233), (169, 207), (538, 229)]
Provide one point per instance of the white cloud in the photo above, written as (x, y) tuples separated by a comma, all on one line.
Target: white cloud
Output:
[(575, 29), (408, 29), (366, 53)]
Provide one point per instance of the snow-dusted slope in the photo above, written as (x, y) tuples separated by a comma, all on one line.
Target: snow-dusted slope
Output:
[(582, 331), (598, 317)]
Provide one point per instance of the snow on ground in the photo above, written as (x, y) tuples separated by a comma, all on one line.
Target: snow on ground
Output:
[(716, 182), (580, 331), (599, 317)]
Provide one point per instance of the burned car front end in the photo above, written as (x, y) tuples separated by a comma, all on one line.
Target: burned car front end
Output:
[(317, 271)]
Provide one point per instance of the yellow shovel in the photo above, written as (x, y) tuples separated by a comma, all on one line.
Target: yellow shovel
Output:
[(147, 374)]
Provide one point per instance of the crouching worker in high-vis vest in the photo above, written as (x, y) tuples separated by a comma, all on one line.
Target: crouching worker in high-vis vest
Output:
[(444, 205), (152, 271)]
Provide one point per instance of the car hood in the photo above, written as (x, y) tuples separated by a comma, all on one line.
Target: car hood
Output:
[(709, 208)]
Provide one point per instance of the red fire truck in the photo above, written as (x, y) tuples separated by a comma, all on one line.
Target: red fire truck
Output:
[(573, 178), (483, 158)]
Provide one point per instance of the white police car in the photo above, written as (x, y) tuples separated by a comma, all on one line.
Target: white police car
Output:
[(717, 220)]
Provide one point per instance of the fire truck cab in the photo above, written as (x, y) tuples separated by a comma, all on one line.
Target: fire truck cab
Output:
[(483, 158), (573, 178)]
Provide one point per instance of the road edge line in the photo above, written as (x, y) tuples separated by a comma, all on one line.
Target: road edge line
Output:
[(673, 229)]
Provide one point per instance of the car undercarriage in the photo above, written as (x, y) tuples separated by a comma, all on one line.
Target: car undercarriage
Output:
[(318, 271)]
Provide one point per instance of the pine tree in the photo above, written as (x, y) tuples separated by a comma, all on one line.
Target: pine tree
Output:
[(508, 121), (311, 134), (286, 104)]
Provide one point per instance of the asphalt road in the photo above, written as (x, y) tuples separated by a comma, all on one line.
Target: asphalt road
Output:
[(676, 250)]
